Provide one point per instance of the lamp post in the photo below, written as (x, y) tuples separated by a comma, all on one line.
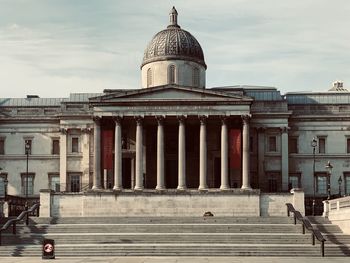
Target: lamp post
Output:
[(27, 150), (340, 180), (314, 145), (329, 168), (5, 186)]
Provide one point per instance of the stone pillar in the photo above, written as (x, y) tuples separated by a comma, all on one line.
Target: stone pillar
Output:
[(245, 148), (85, 161), (203, 154), (97, 154), (182, 155), (46, 202), (139, 155), (160, 154), (261, 157), (118, 184), (133, 172), (224, 155), (284, 161), (63, 159)]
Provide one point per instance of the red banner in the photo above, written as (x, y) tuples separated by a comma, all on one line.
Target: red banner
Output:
[(235, 136), (107, 149)]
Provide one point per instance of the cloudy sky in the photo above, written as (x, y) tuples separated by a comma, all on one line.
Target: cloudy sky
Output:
[(54, 47)]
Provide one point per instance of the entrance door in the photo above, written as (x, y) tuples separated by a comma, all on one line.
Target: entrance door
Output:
[(126, 173)]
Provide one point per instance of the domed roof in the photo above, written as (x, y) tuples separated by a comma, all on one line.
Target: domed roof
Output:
[(173, 43)]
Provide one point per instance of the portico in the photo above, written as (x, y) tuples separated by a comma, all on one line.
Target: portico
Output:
[(175, 138)]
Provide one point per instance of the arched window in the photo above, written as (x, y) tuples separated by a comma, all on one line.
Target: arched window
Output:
[(149, 78), (171, 74), (195, 77)]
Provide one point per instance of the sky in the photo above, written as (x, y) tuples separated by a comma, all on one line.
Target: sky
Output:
[(52, 48)]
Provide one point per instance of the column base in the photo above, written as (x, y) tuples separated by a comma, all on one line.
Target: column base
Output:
[(160, 188), (181, 188), (224, 188), (96, 187), (138, 188), (248, 188), (117, 188), (203, 189)]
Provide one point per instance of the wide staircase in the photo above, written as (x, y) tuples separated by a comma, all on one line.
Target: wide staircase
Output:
[(201, 236)]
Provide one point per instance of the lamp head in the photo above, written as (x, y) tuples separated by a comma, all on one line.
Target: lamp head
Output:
[(314, 142), (329, 167), (340, 180)]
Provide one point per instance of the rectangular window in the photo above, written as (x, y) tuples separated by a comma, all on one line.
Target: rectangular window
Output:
[(55, 146), (2, 146), (321, 183), (272, 144), (347, 183), (28, 146), (54, 181), (30, 186), (75, 144), (2, 185), (74, 182), (348, 145), (294, 180), (293, 145), (321, 145), (273, 180)]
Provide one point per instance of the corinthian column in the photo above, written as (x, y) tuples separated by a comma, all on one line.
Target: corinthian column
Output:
[(245, 162), (160, 154), (118, 185), (182, 155), (203, 154), (139, 155), (97, 154), (224, 155)]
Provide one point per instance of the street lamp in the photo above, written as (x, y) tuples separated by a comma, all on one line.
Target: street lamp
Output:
[(340, 180), (5, 185), (314, 145), (329, 168), (27, 151)]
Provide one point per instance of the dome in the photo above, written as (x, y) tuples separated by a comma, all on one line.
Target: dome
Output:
[(173, 43)]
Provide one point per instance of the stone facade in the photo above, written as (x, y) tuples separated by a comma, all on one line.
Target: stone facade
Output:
[(177, 134)]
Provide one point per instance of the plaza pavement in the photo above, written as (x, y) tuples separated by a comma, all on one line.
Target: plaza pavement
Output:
[(177, 259)]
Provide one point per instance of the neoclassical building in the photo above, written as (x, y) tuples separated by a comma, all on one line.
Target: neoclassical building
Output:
[(176, 135)]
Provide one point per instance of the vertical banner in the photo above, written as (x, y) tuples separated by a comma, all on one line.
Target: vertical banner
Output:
[(235, 137), (107, 149)]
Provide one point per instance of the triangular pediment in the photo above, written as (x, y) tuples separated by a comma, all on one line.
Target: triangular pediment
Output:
[(169, 93)]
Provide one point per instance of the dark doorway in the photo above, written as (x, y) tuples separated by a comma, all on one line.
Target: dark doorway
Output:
[(126, 173), (217, 172), (171, 173)]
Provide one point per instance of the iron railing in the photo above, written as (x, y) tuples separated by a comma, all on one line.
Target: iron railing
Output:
[(14, 221), (315, 233)]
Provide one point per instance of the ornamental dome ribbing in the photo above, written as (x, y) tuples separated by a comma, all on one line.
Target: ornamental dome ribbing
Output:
[(173, 43)]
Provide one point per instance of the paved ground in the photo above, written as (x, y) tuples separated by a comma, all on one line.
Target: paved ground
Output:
[(179, 259)]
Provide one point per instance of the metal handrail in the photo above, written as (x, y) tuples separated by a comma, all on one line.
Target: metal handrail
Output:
[(315, 233), (13, 222)]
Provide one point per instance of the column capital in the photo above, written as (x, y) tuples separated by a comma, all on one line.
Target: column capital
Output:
[(117, 119), (246, 118), (139, 120), (223, 119), (160, 119), (182, 118), (203, 119), (64, 131), (86, 130), (97, 119), (284, 129)]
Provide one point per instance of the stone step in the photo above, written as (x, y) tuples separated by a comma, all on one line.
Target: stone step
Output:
[(178, 220), (156, 238), (176, 250), (159, 228)]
